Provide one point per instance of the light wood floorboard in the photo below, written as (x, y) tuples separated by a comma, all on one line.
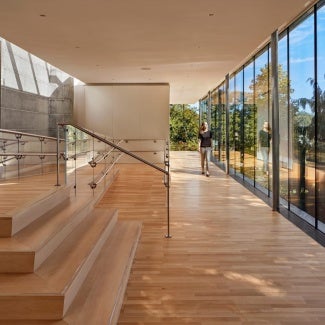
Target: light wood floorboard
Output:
[(231, 259)]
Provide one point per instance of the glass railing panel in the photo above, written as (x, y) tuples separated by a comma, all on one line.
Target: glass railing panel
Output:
[(23, 154), (89, 161)]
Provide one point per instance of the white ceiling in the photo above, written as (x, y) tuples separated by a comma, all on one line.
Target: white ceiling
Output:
[(190, 44)]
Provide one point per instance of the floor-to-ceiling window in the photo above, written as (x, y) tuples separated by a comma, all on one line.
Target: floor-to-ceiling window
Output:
[(234, 153), (320, 117), (262, 135), (302, 115), (249, 123), (239, 126), (222, 119), (215, 123), (218, 124), (285, 151), (203, 109)]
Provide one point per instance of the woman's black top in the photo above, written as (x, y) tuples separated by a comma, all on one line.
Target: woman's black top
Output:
[(205, 138)]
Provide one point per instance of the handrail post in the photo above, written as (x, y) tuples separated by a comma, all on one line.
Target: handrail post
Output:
[(167, 185), (168, 227), (58, 156)]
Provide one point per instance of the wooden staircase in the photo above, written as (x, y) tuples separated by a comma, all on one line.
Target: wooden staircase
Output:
[(64, 261)]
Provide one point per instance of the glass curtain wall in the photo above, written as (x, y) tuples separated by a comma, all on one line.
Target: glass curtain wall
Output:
[(239, 126), (234, 152), (214, 122), (301, 81), (218, 124), (285, 151), (263, 162), (249, 123), (204, 104), (302, 115), (320, 118), (222, 125)]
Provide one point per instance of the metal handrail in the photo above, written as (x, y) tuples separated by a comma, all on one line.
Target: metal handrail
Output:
[(93, 184), (102, 156), (23, 153), (110, 143), (28, 134), (20, 140)]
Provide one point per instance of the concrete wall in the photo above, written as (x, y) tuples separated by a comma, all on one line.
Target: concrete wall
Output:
[(138, 113), (34, 94)]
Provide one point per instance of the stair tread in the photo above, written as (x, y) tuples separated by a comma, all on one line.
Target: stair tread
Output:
[(16, 194), (106, 282), (55, 274), (35, 235), (27, 200)]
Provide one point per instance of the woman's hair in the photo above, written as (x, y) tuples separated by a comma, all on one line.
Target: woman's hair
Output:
[(204, 126), (267, 126)]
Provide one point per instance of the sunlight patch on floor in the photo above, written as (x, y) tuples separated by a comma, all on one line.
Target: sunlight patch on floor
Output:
[(264, 286)]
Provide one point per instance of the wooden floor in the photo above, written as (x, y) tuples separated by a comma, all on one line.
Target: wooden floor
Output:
[(231, 260)]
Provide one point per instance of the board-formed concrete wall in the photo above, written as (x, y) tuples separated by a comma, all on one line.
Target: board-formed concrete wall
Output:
[(35, 96)]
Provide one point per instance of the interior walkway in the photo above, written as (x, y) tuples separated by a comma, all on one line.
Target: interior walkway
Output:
[(231, 259)]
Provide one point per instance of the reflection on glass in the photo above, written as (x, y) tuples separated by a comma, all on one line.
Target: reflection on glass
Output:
[(238, 125), (263, 127), (320, 136), (284, 150), (204, 110), (232, 122), (249, 123), (214, 122), (222, 112), (302, 116), (218, 121)]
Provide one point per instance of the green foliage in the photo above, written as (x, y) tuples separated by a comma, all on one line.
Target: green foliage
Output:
[(184, 127)]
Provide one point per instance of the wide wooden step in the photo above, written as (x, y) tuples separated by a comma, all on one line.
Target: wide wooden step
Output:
[(20, 217), (49, 291), (100, 299), (27, 250)]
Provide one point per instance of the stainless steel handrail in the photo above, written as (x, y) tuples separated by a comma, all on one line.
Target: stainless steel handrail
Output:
[(102, 156), (24, 153), (93, 184), (20, 140), (28, 134), (110, 143)]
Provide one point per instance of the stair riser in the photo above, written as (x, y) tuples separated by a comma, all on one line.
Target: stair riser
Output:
[(31, 307), (5, 226), (16, 262)]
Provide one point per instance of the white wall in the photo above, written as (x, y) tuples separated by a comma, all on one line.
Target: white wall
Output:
[(131, 112)]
